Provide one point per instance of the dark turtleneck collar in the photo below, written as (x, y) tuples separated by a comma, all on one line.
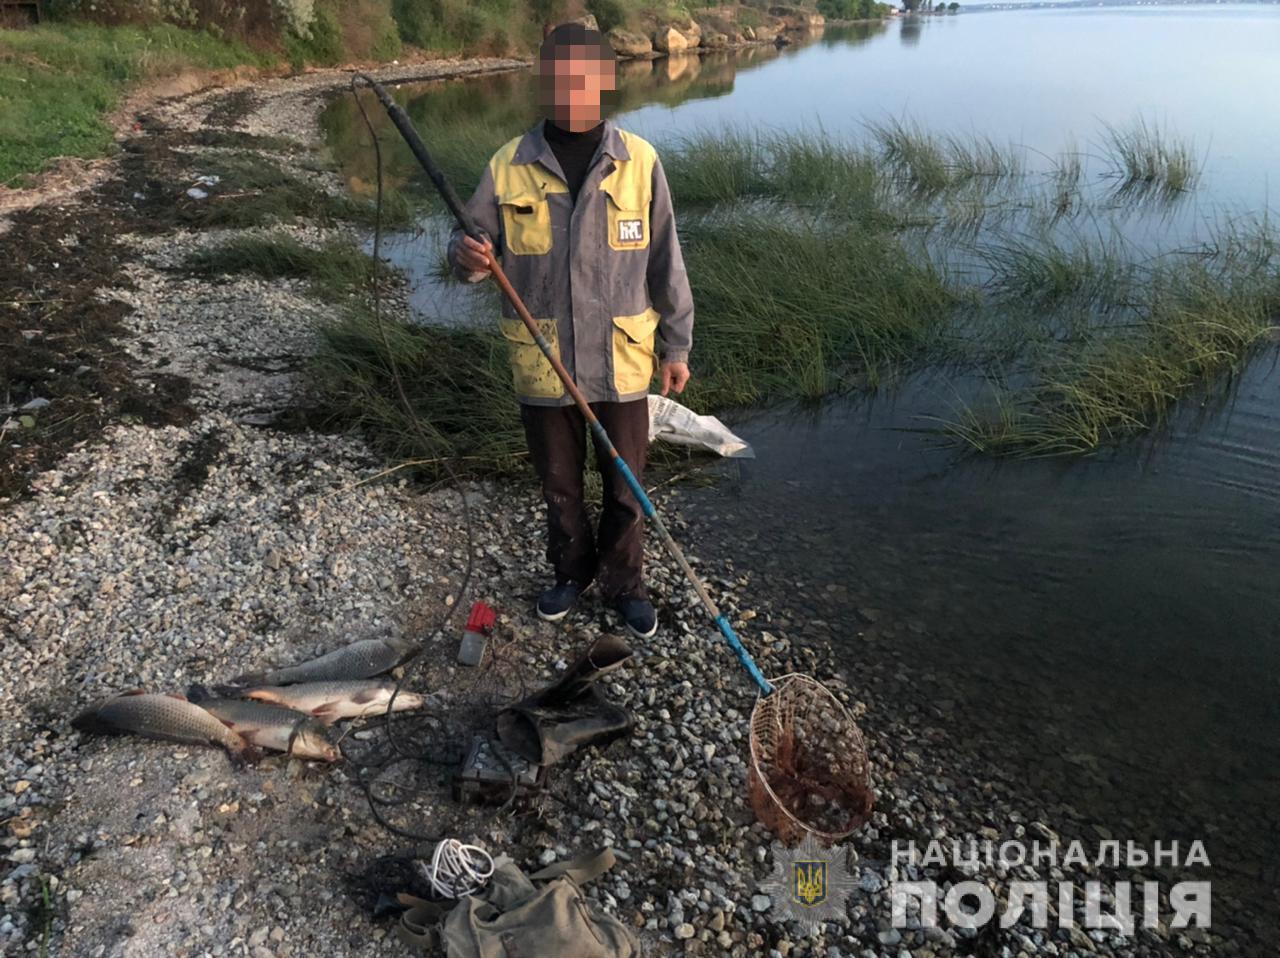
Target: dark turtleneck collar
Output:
[(573, 151)]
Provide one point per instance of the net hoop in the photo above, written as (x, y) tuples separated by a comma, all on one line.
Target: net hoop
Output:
[(773, 733)]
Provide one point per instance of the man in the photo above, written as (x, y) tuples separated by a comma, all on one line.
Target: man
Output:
[(582, 218)]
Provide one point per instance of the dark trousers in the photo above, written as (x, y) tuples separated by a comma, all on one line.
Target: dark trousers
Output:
[(557, 437)]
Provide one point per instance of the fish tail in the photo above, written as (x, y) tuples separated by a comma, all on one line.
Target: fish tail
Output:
[(197, 693)]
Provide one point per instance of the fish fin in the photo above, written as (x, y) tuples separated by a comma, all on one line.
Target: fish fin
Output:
[(231, 691), (249, 678), (176, 695), (368, 695), (258, 695), (249, 755), (127, 692), (327, 713)]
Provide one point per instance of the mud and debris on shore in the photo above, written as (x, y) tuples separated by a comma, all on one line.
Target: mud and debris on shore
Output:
[(187, 539)]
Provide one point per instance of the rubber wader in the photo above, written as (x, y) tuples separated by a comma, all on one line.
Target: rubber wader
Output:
[(571, 713)]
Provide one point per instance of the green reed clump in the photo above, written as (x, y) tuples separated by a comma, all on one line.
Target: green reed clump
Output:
[(932, 164), (1149, 157), (1064, 185), (804, 169), (805, 308), (817, 170), (457, 383), (918, 156), (979, 157), (1198, 321), (710, 167), (1047, 271)]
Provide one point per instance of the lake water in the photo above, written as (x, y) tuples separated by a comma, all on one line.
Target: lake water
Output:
[(1107, 630)]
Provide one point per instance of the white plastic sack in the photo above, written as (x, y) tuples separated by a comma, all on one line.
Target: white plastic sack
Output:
[(673, 422)]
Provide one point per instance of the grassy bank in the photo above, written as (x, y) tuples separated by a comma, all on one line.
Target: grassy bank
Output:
[(59, 82), (822, 265)]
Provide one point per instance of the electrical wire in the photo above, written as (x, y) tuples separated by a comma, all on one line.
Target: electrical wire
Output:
[(457, 870), (413, 664)]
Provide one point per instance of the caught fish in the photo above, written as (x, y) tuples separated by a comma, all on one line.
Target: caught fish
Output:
[(330, 701), (167, 717), (359, 660), (272, 727)]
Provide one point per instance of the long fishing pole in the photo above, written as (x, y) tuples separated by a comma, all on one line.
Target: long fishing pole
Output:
[(419, 149)]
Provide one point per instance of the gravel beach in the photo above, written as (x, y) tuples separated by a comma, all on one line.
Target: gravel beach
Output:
[(156, 555)]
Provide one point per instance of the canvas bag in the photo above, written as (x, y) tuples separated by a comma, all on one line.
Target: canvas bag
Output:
[(514, 918)]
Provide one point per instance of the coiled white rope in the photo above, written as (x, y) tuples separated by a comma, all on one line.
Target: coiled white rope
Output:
[(457, 870)]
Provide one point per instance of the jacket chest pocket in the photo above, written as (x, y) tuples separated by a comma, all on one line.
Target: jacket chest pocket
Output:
[(628, 215), (526, 225)]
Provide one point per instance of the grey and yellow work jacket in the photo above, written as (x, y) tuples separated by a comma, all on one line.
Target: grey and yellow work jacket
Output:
[(602, 276)]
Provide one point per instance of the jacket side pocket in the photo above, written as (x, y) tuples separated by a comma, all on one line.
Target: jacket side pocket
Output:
[(634, 355), (530, 370)]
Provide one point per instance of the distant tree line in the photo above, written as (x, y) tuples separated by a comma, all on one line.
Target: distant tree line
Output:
[(928, 6), (853, 9)]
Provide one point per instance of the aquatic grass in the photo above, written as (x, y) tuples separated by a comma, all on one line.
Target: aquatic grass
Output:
[(1068, 172), (814, 169), (1197, 324), (978, 157), (1148, 158), (918, 156), (1048, 272), (931, 165), (708, 167), (821, 266), (803, 309)]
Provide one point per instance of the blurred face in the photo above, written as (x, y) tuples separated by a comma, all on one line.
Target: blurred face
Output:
[(570, 82)]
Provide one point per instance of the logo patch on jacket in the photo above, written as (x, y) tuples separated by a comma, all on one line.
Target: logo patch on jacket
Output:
[(630, 231)]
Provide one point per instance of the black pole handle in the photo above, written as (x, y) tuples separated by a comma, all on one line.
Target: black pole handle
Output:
[(401, 119)]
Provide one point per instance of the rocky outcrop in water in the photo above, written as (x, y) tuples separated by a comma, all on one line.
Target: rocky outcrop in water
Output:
[(713, 28)]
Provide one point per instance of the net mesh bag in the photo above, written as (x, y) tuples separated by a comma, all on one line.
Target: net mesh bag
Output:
[(809, 770)]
